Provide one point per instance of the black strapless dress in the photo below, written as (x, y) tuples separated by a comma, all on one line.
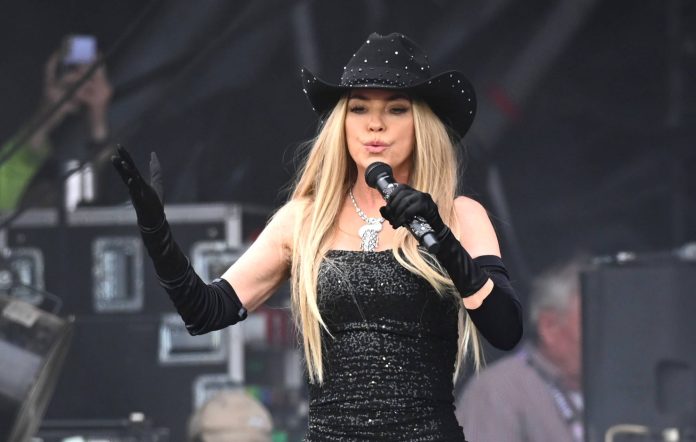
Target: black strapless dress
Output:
[(388, 368)]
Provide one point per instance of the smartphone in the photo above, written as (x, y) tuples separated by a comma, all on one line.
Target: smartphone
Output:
[(79, 49)]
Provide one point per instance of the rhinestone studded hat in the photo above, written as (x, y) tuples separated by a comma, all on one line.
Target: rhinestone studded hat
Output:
[(395, 62)]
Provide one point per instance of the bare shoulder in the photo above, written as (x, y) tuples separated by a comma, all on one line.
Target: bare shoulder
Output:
[(289, 211), (292, 208), (476, 232), (266, 263), (469, 208), (284, 222)]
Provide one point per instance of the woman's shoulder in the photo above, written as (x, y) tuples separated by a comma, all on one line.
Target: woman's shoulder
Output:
[(292, 210), (285, 219), (469, 207), (476, 232)]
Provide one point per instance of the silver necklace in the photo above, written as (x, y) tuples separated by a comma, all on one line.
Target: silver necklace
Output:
[(369, 233)]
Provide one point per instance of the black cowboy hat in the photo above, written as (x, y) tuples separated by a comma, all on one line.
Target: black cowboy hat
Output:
[(395, 62)]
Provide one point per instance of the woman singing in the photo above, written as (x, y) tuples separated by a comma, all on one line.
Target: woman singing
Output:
[(385, 324)]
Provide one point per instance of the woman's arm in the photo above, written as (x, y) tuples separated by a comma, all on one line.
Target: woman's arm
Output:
[(482, 282), (203, 307), (478, 238), (494, 308), (257, 274)]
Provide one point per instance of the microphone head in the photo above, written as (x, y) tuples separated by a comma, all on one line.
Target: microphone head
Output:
[(375, 171)]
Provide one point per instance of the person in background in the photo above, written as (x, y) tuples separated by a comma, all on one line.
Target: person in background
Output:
[(91, 100), (231, 416), (534, 395)]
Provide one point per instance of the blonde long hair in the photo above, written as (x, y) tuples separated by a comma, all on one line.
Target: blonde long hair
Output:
[(328, 172)]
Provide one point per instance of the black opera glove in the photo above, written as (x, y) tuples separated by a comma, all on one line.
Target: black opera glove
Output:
[(203, 307), (468, 277), (404, 204), (170, 262), (499, 317), (146, 198)]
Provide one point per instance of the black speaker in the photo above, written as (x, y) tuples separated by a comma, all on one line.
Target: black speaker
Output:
[(639, 342)]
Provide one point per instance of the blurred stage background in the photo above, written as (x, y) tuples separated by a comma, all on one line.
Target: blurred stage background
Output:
[(584, 141)]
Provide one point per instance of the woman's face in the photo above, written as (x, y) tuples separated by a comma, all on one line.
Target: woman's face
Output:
[(379, 127)]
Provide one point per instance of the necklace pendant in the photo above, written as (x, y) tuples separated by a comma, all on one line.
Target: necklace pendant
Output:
[(369, 235)]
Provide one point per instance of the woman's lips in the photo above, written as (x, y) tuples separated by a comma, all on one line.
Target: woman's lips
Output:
[(375, 147)]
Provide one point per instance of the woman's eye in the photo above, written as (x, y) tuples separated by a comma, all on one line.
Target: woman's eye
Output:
[(399, 110), (357, 109)]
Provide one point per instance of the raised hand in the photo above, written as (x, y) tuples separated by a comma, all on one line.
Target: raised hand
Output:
[(95, 95), (146, 198), (203, 307)]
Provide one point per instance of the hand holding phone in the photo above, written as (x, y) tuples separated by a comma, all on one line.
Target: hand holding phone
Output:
[(68, 64), (79, 50), (76, 51)]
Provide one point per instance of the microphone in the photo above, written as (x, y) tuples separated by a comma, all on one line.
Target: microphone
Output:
[(379, 176)]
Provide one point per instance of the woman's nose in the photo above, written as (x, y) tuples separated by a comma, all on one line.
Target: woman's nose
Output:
[(376, 124)]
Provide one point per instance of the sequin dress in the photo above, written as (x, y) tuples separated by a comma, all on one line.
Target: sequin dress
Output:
[(389, 367)]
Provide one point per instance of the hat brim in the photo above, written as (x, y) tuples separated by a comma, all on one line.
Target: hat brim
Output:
[(449, 94)]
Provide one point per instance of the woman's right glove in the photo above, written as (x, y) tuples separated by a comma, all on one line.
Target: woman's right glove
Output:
[(170, 262), (146, 198), (203, 307)]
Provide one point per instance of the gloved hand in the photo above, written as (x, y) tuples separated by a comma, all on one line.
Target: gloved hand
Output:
[(203, 307), (146, 198), (170, 262), (405, 203)]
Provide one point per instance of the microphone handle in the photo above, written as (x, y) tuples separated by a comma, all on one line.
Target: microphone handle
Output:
[(424, 234)]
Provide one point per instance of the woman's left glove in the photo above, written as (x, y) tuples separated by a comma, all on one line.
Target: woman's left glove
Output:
[(404, 204)]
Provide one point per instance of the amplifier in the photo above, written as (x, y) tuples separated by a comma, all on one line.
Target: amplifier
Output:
[(639, 336)]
